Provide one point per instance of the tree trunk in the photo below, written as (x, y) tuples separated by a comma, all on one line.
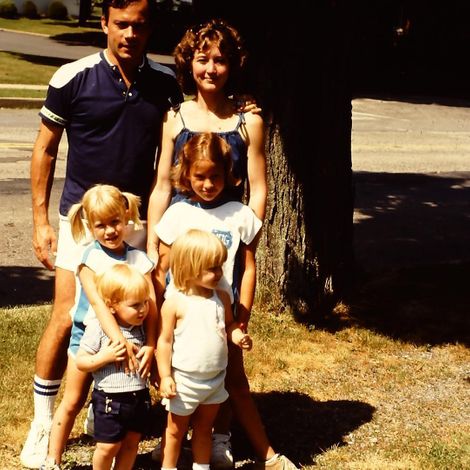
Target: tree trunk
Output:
[(84, 12), (299, 70)]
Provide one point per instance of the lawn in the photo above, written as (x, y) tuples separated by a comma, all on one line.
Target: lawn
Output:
[(340, 396)]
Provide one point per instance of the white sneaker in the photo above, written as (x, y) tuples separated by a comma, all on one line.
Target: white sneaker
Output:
[(49, 464), (34, 451), (221, 451), (89, 424)]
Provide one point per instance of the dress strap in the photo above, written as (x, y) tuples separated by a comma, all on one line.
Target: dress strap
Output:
[(181, 117), (241, 120)]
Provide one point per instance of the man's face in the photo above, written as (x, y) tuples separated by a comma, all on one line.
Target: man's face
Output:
[(128, 30)]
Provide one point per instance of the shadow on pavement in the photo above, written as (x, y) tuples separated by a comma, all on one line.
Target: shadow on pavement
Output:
[(412, 246), (21, 285)]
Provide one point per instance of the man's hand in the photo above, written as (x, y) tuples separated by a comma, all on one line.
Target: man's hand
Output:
[(246, 104), (45, 244)]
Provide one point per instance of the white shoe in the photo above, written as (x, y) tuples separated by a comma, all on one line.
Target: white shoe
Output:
[(34, 451), (221, 457), (49, 464), (89, 424)]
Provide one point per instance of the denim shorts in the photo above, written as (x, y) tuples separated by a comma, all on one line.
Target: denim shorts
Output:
[(117, 413)]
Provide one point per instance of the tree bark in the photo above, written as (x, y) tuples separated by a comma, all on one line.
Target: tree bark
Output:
[(300, 76)]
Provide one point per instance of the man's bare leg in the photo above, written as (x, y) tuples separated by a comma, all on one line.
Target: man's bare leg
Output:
[(51, 362)]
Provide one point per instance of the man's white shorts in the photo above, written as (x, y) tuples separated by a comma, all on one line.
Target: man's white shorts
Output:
[(69, 253)]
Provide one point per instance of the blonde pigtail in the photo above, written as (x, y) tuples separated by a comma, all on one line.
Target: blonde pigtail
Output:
[(133, 204), (77, 225)]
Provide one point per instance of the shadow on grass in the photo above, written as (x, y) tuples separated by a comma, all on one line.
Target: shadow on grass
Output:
[(40, 60), (299, 427), (21, 285)]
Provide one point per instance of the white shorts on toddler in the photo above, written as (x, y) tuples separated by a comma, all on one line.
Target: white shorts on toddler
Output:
[(192, 392)]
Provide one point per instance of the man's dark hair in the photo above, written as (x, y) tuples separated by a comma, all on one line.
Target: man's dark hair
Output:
[(120, 4)]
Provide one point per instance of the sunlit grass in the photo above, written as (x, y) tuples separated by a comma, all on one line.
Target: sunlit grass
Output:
[(17, 68), (346, 399), (44, 25)]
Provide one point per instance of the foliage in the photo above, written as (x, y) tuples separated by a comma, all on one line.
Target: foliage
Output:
[(57, 10), (8, 9), (30, 10)]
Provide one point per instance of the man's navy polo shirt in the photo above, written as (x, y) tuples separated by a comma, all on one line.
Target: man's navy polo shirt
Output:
[(112, 131)]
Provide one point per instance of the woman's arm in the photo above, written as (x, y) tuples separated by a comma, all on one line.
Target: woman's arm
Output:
[(168, 315), (160, 196), (257, 178)]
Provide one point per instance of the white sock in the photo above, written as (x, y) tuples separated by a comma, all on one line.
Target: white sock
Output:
[(200, 466), (273, 458), (45, 394)]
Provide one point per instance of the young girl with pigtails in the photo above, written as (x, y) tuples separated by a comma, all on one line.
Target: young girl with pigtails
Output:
[(106, 214)]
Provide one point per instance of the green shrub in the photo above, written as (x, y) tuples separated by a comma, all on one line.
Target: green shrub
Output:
[(57, 10), (8, 9), (30, 10)]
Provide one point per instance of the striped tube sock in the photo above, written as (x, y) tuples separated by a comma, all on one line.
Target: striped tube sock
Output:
[(45, 394)]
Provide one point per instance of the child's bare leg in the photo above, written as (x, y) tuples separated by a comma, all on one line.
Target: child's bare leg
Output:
[(223, 419), (104, 455), (201, 439), (75, 393), (243, 405), (125, 458), (176, 429)]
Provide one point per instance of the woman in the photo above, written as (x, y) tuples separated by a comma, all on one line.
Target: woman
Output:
[(209, 60)]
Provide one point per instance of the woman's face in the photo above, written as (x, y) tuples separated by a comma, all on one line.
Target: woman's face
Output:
[(210, 69)]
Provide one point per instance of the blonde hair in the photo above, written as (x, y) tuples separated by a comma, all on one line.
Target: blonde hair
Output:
[(121, 282), (102, 202), (202, 146), (192, 253)]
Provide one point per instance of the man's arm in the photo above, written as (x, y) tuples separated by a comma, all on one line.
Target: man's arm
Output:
[(43, 163)]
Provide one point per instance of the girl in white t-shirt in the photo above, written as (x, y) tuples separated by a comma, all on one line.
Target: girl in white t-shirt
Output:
[(202, 174), (192, 354)]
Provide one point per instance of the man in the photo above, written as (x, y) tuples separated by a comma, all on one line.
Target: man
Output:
[(111, 105)]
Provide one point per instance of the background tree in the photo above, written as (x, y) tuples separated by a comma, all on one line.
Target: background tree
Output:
[(299, 74)]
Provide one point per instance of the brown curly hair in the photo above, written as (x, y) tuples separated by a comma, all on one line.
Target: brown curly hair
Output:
[(202, 37)]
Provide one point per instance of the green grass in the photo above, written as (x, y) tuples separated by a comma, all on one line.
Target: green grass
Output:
[(47, 26), (20, 93), (335, 399), (26, 69)]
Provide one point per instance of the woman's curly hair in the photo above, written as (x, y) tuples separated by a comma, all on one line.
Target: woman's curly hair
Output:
[(202, 37)]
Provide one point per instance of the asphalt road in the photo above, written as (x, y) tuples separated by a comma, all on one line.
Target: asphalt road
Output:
[(411, 176), (44, 46)]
